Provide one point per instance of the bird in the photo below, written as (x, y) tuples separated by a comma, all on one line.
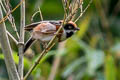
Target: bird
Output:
[(45, 30)]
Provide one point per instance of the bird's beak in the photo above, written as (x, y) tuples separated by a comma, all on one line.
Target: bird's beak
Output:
[(77, 28)]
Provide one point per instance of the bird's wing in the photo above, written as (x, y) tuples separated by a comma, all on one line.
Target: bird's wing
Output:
[(51, 27), (45, 28), (33, 25)]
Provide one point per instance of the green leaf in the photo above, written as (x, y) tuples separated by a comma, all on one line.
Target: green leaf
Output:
[(110, 68)]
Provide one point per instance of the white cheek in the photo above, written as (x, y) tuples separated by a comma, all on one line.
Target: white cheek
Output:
[(68, 31)]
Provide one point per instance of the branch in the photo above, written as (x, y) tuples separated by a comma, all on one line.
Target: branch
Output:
[(74, 7), (21, 42), (82, 12), (39, 11), (5, 18), (11, 19), (10, 64), (64, 2), (16, 42), (37, 61)]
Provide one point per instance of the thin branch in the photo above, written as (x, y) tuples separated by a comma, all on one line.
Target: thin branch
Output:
[(81, 7), (67, 4), (83, 11), (10, 17), (5, 18), (21, 41), (65, 9), (16, 42), (34, 16), (3, 6), (40, 13), (37, 61), (10, 64), (74, 7)]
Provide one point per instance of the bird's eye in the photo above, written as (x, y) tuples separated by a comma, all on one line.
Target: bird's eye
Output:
[(70, 27)]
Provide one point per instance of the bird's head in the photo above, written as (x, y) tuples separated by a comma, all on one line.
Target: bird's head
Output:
[(70, 28)]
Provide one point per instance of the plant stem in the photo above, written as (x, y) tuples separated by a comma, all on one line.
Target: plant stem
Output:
[(37, 61), (5, 18), (11, 19), (40, 14), (83, 11), (21, 42), (16, 42), (10, 64)]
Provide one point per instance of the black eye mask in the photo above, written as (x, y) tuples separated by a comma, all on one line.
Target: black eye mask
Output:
[(68, 27)]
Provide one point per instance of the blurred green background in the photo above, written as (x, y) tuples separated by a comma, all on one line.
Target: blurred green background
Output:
[(93, 53)]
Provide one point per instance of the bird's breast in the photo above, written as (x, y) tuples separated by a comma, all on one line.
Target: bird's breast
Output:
[(42, 37), (47, 37)]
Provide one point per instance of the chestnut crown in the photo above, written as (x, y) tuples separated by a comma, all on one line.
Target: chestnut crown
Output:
[(70, 29)]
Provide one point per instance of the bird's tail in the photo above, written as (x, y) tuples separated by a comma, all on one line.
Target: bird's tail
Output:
[(28, 43)]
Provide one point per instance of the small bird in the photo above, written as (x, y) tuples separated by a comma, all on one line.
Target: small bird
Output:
[(45, 30)]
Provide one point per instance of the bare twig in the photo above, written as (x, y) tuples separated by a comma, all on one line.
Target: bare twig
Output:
[(12, 38), (39, 11), (83, 11), (5, 18), (10, 64), (21, 42), (81, 7), (37, 61), (64, 2), (3, 6), (74, 7), (34, 16), (10, 17)]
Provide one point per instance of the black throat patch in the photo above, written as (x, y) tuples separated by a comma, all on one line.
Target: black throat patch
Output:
[(69, 34)]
